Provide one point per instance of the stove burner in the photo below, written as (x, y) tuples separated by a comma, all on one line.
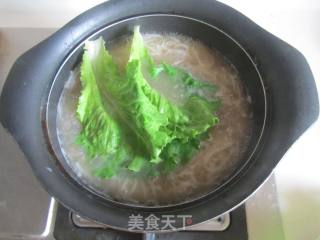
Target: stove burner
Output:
[(70, 225), (217, 224)]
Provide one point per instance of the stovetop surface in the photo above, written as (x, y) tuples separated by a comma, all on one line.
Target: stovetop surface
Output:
[(28, 212)]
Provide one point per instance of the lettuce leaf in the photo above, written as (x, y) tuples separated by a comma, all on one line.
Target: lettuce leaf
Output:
[(126, 124)]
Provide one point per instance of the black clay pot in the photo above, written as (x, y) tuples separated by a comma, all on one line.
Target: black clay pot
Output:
[(277, 76)]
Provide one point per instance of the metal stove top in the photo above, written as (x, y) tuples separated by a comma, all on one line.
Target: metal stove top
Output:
[(220, 223), (28, 212)]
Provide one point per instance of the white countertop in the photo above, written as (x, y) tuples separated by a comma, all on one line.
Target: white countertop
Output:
[(297, 176)]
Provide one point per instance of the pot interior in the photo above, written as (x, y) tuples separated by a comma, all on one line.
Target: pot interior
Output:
[(211, 37)]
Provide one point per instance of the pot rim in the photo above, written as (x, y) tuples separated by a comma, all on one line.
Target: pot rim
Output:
[(69, 172)]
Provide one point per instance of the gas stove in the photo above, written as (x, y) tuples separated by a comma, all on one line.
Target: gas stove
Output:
[(28, 212)]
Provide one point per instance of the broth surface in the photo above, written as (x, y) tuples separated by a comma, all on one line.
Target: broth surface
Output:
[(218, 155)]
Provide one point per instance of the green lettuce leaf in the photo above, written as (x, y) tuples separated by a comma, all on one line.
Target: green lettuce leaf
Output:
[(101, 133), (128, 124)]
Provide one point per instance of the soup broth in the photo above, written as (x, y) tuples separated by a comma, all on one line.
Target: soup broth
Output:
[(218, 155)]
